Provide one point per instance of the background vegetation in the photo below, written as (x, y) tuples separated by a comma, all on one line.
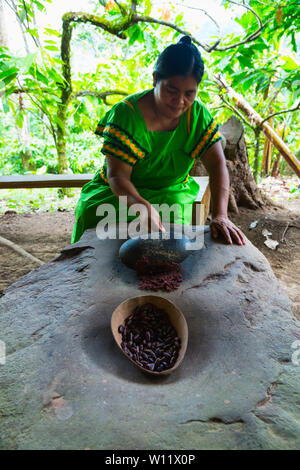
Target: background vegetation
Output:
[(51, 103)]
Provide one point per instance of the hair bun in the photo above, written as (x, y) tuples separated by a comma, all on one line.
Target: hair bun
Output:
[(185, 40)]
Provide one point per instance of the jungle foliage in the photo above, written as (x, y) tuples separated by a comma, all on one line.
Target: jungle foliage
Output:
[(51, 102)]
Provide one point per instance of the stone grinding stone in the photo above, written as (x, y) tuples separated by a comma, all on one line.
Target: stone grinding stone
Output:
[(65, 384)]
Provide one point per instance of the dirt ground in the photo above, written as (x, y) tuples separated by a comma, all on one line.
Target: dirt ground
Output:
[(44, 234)]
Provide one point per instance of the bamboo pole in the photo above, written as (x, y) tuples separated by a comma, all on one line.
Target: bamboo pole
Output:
[(266, 162), (257, 121)]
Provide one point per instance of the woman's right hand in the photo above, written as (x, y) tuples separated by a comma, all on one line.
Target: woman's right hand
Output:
[(151, 221)]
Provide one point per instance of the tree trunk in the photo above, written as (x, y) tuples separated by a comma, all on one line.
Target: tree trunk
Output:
[(243, 189), (66, 92), (24, 137), (275, 169)]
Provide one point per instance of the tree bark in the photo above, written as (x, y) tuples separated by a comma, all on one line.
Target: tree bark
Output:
[(243, 189)]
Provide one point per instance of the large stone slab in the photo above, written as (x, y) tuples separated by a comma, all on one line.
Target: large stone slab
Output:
[(65, 384)]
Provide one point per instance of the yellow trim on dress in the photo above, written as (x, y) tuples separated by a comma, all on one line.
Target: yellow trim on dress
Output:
[(118, 153), (102, 174), (189, 120), (122, 137), (127, 102), (203, 141)]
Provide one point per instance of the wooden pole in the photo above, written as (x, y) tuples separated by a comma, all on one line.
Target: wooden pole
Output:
[(266, 162)]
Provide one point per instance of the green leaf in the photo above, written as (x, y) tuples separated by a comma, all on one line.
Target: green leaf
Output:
[(40, 6), (136, 34), (20, 119), (178, 19), (7, 80), (278, 83), (5, 105), (9, 91), (289, 64), (40, 77), (245, 61), (52, 48), (8, 73), (293, 42), (248, 83), (148, 7), (26, 62), (52, 32), (33, 32), (22, 15), (245, 20)]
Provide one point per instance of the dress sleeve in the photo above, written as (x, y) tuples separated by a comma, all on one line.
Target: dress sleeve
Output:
[(203, 130), (118, 129)]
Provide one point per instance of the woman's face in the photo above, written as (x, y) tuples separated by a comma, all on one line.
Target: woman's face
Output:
[(174, 95)]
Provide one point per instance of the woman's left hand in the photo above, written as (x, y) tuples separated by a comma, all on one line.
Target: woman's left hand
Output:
[(231, 232)]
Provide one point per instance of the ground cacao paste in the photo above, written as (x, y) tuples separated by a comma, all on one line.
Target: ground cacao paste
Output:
[(164, 275)]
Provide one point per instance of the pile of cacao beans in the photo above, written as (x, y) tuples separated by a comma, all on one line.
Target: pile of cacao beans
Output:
[(149, 338)]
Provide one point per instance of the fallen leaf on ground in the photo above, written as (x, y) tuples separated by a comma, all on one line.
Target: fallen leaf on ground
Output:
[(253, 224), (272, 244), (266, 232)]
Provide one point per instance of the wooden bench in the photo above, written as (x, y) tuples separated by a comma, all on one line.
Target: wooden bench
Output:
[(200, 207)]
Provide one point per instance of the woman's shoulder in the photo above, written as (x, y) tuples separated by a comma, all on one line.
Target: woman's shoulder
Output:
[(199, 107), (124, 111)]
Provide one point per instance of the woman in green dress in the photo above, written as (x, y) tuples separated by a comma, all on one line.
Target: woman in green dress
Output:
[(150, 141)]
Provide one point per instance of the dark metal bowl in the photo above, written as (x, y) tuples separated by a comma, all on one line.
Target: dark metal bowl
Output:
[(155, 249)]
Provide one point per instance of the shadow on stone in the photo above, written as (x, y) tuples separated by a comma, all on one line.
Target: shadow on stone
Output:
[(99, 345)]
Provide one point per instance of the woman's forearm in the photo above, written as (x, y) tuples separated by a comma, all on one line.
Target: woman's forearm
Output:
[(219, 187), (122, 186), (215, 164)]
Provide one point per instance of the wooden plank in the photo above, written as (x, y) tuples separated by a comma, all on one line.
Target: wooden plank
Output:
[(44, 181), (201, 203), (201, 206)]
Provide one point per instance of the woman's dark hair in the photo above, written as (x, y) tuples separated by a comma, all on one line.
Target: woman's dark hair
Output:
[(182, 58)]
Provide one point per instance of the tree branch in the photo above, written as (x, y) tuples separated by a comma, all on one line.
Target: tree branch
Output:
[(35, 40), (252, 36), (236, 111), (52, 128), (213, 46), (257, 120), (282, 112), (149, 19), (205, 12), (121, 7), (100, 94), (111, 27), (244, 5)]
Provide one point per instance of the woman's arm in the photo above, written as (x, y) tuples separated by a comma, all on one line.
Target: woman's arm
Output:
[(215, 164), (118, 175)]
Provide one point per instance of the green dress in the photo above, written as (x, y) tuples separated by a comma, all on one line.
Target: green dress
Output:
[(161, 161)]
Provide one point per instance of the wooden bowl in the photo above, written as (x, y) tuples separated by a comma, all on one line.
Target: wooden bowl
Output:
[(176, 317)]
